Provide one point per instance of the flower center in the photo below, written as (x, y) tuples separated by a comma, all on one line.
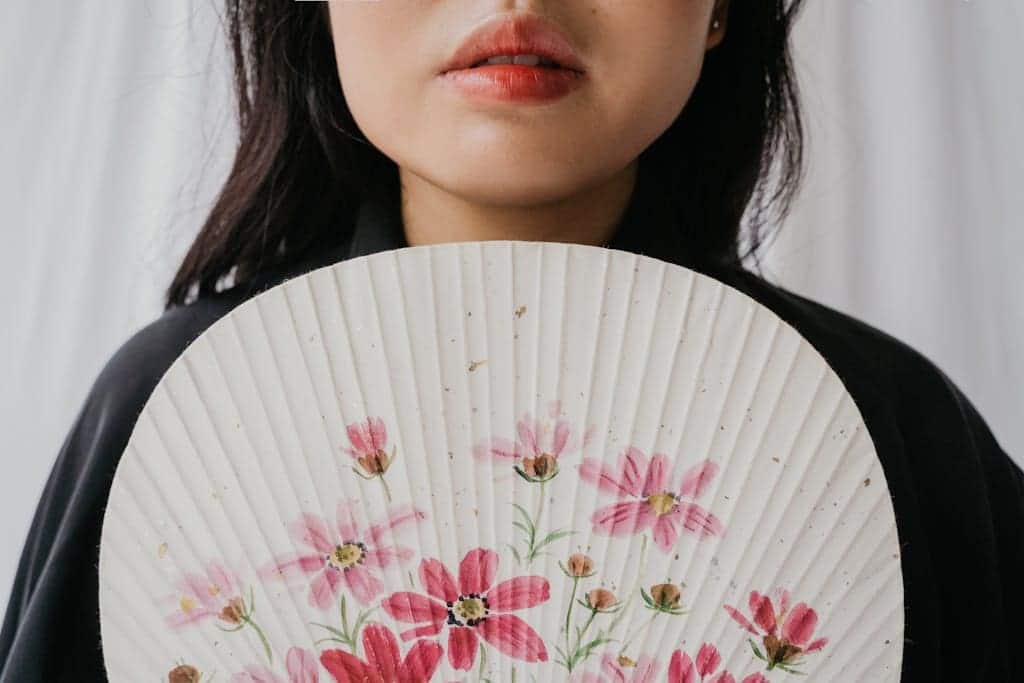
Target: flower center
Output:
[(542, 467), (185, 673), (662, 503), (347, 555), (233, 612), (468, 610), (779, 651), (375, 463)]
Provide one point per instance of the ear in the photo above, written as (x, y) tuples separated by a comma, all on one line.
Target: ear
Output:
[(719, 13)]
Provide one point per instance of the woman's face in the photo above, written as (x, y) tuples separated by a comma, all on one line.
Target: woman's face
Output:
[(640, 61)]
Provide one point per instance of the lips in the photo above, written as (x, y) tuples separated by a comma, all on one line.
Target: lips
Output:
[(522, 34)]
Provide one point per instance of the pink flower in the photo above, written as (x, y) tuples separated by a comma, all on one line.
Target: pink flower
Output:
[(783, 649), (538, 447), (682, 669), (474, 607), (301, 665), (654, 504), (351, 554), (620, 670), (383, 663), (369, 446), (215, 594)]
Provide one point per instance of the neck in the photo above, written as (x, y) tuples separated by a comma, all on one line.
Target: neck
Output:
[(433, 215)]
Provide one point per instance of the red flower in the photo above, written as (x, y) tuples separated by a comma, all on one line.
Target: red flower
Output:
[(656, 504), (369, 446), (783, 649), (383, 663), (620, 670), (682, 669), (473, 608), (353, 554)]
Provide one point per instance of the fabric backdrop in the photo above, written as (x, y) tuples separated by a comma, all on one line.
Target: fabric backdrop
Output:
[(117, 129)]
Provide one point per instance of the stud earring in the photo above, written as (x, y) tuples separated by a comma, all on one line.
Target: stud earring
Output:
[(715, 24)]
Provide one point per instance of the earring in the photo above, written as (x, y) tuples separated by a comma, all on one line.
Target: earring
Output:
[(715, 24)]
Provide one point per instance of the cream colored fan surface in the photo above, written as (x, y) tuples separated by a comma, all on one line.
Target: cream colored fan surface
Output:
[(500, 461)]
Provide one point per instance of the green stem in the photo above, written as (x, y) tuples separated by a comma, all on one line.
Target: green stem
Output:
[(568, 616), (263, 639), (387, 490), (532, 551), (583, 632), (350, 638)]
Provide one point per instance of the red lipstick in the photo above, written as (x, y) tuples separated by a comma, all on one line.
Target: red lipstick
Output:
[(531, 60)]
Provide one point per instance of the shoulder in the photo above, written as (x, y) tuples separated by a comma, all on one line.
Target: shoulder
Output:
[(57, 570), (136, 367)]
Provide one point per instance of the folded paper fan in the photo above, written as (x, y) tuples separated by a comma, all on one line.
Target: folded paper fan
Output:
[(500, 461)]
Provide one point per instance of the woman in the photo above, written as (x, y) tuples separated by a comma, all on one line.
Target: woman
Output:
[(368, 126)]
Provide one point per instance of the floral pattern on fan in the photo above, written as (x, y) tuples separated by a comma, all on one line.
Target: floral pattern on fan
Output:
[(647, 500), (216, 595), (348, 557), (350, 554), (383, 660), (369, 441), (784, 648), (540, 443), (473, 608), (683, 669), (536, 457)]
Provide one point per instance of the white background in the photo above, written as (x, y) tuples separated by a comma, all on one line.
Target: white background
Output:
[(115, 130)]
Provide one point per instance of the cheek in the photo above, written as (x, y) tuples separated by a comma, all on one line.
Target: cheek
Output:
[(382, 75), (649, 63)]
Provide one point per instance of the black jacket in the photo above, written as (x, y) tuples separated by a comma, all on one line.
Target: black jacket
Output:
[(958, 498)]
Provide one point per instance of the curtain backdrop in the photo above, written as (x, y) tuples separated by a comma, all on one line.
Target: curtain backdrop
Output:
[(116, 130)]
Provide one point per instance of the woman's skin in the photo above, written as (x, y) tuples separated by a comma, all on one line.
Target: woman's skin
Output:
[(557, 171)]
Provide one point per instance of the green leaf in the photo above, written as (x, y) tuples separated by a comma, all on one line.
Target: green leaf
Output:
[(330, 639), (554, 536), (526, 516), (515, 552), (522, 527), (333, 630)]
